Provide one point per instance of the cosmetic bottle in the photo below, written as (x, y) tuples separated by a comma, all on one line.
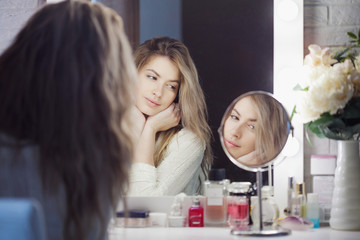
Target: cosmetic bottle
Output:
[(270, 210), (176, 218), (312, 209), (196, 214), (215, 191), (238, 206), (290, 195), (299, 201)]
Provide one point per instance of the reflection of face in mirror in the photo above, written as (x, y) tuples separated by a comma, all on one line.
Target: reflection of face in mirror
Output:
[(172, 153), (255, 129), (239, 128)]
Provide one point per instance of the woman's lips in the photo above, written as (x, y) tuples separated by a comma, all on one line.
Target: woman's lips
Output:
[(152, 103), (230, 144)]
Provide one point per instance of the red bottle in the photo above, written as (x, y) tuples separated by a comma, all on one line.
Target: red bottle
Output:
[(196, 214)]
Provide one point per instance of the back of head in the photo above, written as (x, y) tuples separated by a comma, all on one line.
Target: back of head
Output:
[(66, 84)]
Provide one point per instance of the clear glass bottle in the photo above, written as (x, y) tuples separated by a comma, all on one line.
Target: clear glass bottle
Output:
[(270, 210), (196, 214), (215, 191), (312, 209), (238, 207), (299, 201)]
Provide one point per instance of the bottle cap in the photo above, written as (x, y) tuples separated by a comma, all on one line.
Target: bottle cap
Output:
[(291, 182), (267, 191), (313, 198), (300, 188), (239, 187), (217, 174), (196, 202)]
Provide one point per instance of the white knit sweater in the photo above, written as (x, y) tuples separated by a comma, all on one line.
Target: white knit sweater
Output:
[(178, 172)]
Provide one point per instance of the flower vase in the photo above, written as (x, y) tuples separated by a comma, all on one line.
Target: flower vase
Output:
[(345, 206)]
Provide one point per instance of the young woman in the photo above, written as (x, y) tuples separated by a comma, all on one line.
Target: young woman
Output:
[(173, 152), (66, 82), (255, 129)]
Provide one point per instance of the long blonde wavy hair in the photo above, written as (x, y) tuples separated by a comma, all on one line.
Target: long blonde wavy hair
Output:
[(66, 85), (273, 130), (190, 96)]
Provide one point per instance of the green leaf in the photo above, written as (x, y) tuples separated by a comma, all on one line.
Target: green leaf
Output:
[(314, 128), (352, 109), (352, 35), (299, 88), (355, 129), (339, 55), (293, 113), (307, 135)]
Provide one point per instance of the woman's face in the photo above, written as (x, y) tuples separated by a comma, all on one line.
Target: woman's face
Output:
[(159, 83), (239, 128)]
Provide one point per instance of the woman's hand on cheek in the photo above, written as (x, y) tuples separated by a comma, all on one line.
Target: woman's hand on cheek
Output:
[(165, 119)]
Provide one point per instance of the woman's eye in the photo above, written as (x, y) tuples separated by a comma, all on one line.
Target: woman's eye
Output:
[(234, 117), (172, 87), (251, 126), (151, 77)]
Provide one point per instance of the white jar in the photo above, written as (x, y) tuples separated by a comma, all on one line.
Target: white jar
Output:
[(270, 210)]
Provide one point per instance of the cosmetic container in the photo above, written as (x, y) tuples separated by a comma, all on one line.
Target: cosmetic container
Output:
[(322, 170), (132, 219), (157, 219), (196, 214), (290, 195), (312, 209), (177, 221), (270, 210), (299, 201), (175, 218), (238, 206), (216, 191)]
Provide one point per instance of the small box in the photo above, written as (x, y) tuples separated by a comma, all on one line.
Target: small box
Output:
[(324, 186), (132, 219), (322, 164)]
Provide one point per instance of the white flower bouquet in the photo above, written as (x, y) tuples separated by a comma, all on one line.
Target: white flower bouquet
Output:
[(329, 101)]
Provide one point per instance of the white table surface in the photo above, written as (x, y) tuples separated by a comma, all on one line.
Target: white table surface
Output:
[(212, 233)]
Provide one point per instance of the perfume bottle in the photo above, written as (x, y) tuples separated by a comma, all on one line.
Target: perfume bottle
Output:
[(238, 206), (215, 191), (196, 214), (299, 201)]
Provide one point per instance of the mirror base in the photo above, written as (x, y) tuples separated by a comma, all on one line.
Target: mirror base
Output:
[(256, 232)]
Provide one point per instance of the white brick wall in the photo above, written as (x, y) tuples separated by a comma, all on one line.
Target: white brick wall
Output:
[(13, 14), (326, 23)]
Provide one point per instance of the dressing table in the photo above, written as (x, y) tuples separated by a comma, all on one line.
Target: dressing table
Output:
[(213, 233)]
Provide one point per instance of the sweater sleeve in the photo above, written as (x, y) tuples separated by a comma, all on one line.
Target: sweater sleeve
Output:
[(180, 165)]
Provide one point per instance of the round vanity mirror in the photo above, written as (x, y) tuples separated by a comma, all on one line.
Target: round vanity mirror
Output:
[(253, 132)]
